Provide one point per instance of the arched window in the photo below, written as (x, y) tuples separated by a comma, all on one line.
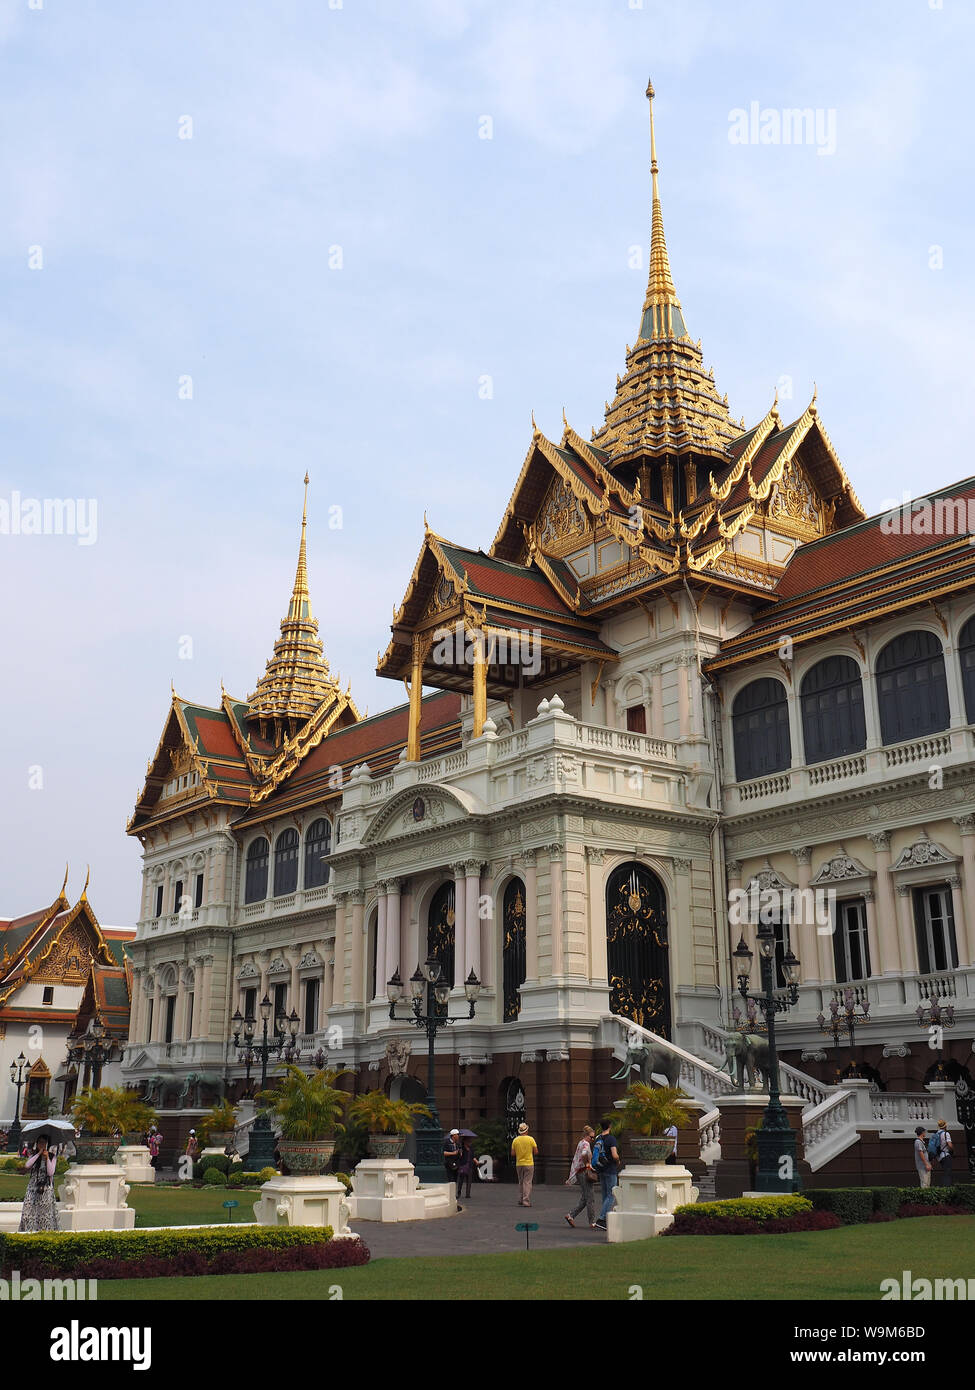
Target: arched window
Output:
[(318, 843), (760, 719), (440, 929), (966, 655), (832, 710), (286, 863), (255, 877), (911, 687), (513, 949), (636, 948)]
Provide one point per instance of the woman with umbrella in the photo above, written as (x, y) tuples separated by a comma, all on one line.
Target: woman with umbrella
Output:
[(39, 1211), (465, 1168)]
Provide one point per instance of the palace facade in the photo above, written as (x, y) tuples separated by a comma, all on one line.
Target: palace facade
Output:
[(687, 665)]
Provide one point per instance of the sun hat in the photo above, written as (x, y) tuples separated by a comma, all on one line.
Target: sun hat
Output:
[(522, 1129), (455, 1131), (192, 1131)]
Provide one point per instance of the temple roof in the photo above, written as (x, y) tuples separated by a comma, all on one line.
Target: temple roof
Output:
[(30, 943)]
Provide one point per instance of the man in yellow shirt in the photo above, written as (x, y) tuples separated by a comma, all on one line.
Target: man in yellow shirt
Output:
[(524, 1149)]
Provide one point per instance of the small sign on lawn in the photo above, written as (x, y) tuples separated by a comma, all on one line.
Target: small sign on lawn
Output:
[(527, 1226), (230, 1208)]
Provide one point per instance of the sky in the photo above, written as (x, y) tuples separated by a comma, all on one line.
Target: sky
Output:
[(367, 239)]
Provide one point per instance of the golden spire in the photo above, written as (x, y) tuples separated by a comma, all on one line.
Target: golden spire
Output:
[(662, 314), (296, 682)]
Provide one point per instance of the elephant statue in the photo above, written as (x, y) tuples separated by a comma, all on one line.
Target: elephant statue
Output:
[(194, 1082), (748, 1053), (645, 1059), (155, 1086), (190, 1082)]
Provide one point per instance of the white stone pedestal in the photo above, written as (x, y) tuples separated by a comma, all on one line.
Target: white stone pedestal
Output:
[(133, 1159), (387, 1189), (305, 1201), (645, 1200), (93, 1199)]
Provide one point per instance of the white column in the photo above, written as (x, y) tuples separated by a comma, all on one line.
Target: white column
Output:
[(357, 989), (808, 946), (460, 919), (472, 921), (873, 940), (263, 959), (905, 924), (958, 911), (889, 961), (683, 704), (531, 916), (340, 988), (656, 702), (966, 936), (135, 1021), (382, 887), (555, 908), (293, 956), (596, 906), (489, 924), (179, 1029), (392, 957), (409, 931)]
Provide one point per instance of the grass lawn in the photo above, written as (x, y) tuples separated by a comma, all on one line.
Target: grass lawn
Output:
[(847, 1264), (165, 1206)]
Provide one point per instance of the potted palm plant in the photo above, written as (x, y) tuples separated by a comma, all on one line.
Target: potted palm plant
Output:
[(100, 1114), (136, 1118), (219, 1125), (308, 1108), (645, 1113), (389, 1122)]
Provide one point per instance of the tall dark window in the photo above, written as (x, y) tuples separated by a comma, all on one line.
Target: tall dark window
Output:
[(440, 929), (311, 1005), (851, 952), (255, 878), (636, 719), (198, 891), (250, 1003), (911, 687), (373, 939), (966, 655), (178, 895), (935, 927), (637, 949), (279, 998), (760, 719), (170, 1016), (159, 901), (513, 949), (286, 863), (318, 843), (832, 710), (149, 1019), (189, 1017)]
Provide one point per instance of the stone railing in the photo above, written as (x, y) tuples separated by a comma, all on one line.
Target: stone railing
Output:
[(764, 786), (805, 1086), (709, 1126), (838, 771), (624, 743), (922, 750), (903, 1109), (828, 1128), (936, 986), (698, 1078)]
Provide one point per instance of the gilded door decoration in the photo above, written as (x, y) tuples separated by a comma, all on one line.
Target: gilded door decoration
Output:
[(514, 1107), (637, 948), (513, 955), (440, 929), (562, 516)]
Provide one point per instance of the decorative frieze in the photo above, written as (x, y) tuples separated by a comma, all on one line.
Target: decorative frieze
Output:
[(475, 1059), (557, 1054)]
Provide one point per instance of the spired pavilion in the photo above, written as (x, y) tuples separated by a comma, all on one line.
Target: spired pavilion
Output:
[(688, 664)]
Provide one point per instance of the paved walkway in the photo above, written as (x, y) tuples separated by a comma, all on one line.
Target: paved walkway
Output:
[(486, 1224)]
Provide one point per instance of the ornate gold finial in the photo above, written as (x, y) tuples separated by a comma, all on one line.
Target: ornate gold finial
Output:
[(813, 408), (84, 891), (65, 883), (535, 429), (564, 420), (426, 525)]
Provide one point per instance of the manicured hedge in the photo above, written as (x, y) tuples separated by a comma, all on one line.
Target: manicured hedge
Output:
[(143, 1254), (850, 1204), (932, 1209), (886, 1199), (686, 1223), (213, 1177), (757, 1209)]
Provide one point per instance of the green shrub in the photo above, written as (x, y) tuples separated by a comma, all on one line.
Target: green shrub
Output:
[(960, 1195), (964, 1195), (222, 1162), (267, 1173), (250, 1178), (851, 1204), (886, 1199), (69, 1249), (768, 1208), (235, 1179), (214, 1178), (345, 1180)]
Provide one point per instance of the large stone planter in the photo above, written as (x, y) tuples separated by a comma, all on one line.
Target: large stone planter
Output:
[(386, 1145), (646, 1198), (652, 1148), (96, 1148), (306, 1159), (304, 1201), (220, 1138)]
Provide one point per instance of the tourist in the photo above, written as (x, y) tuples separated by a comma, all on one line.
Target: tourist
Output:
[(524, 1150), (671, 1133), (606, 1162), (451, 1154), (465, 1168), (581, 1174), (39, 1211), (921, 1158), (945, 1149), (153, 1144), (193, 1145)]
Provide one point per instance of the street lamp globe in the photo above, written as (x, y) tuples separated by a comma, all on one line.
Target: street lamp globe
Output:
[(394, 988), (417, 983), (743, 959), (472, 987), (766, 940)]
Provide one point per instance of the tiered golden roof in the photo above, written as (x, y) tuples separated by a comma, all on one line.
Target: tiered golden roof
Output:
[(666, 403), (296, 683)]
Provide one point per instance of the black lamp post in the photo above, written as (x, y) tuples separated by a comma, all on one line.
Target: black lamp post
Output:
[(777, 1156), (261, 1152), (17, 1077), (429, 995), (847, 1020), (91, 1050)]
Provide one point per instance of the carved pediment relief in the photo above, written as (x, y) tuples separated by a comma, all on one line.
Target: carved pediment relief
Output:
[(248, 972), (562, 516), (841, 866), (69, 960), (923, 854), (794, 499), (416, 811), (279, 966), (309, 960)]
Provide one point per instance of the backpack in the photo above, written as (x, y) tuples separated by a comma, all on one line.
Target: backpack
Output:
[(601, 1155), (934, 1144)]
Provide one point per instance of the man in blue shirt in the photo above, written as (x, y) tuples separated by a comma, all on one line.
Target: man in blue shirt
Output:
[(606, 1161)]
